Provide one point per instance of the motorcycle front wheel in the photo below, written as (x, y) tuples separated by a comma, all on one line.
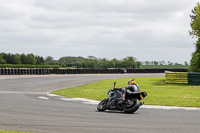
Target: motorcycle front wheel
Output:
[(102, 106), (132, 106)]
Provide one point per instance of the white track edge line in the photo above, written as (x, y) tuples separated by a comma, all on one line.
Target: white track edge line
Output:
[(95, 102)]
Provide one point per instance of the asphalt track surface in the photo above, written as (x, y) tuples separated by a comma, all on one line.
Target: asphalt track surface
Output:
[(25, 106)]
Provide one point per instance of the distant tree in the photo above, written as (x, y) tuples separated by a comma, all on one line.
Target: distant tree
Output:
[(116, 63), (63, 65), (63, 60), (16, 59), (77, 64), (23, 59), (91, 58), (170, 63), (8, 58), (176, 63), (185, 63), (129, 62), (2, 61), (68, 59), (138, 64), (162, 62), (155, 63), (90, 64), (147, 62), (83, 64), (49, 59), (42, 61), (39, 60), (31, 59)]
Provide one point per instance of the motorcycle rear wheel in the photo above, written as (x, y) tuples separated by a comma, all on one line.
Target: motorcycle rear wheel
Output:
[(134, 106), (102, 106)]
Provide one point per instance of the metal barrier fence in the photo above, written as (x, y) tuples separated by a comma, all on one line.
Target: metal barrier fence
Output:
[(182, 78), (42, 71), (194, 78), (176, 77)]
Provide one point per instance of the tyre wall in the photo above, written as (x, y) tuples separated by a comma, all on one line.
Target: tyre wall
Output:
[(42, 71)]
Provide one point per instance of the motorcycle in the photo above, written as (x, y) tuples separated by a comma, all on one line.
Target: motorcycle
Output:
[(122, 100)]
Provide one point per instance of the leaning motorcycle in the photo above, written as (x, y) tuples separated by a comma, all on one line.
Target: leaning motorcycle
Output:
[(126, 101)]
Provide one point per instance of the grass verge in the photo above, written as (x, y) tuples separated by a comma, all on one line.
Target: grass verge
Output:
[(158, 92)]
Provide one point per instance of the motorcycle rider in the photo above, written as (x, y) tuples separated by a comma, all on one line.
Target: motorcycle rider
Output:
[(125, 99), (132, 87)]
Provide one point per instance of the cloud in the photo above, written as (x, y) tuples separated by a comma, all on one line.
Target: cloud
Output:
[(147, 30)]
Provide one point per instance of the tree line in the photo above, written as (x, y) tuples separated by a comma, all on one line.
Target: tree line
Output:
[(78, 62), (30, 59), (163, 63), (93, 62)]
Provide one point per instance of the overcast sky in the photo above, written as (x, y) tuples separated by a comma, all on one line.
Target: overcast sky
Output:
[(149, 30)]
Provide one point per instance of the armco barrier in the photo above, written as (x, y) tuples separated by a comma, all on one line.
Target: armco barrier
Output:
[(182, 78), (176, 77), (194, 78), (42, 71)]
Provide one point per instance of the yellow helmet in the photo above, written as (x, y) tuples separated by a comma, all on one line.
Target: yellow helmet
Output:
[(132, 81)]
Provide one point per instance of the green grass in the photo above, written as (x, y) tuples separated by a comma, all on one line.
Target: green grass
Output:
[(164, 66), (158, 92), (11, 131)]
